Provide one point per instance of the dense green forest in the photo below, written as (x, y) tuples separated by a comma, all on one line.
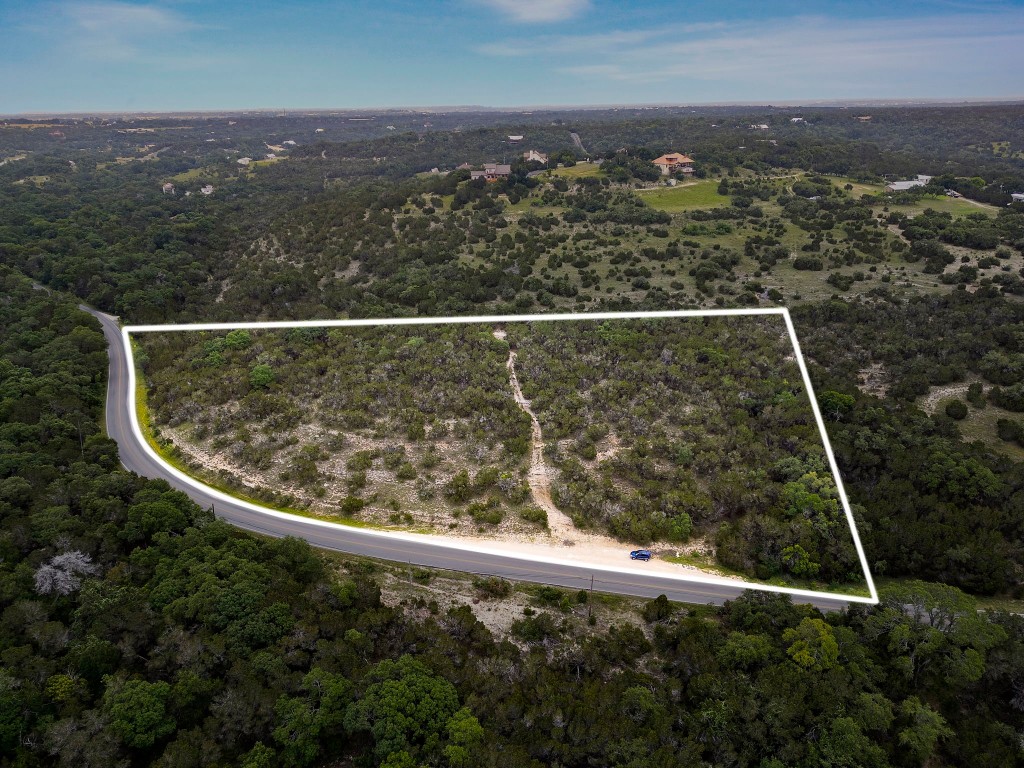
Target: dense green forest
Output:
[(138, 630)]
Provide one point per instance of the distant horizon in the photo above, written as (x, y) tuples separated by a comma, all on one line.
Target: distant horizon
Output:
[(529, 108), (160, 56)]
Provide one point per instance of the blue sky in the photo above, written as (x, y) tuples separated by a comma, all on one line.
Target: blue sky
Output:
[(121, 55)]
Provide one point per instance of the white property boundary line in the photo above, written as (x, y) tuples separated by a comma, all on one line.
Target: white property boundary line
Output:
[(127, 330)]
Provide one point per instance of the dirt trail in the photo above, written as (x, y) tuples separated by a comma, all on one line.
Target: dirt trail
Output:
[(539, 476), (568, 541)]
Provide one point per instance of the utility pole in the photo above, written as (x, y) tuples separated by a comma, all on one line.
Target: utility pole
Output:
[(590, 599)]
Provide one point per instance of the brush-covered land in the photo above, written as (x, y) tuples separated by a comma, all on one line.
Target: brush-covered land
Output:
[(400, 425), (659, 430), (675, 429)]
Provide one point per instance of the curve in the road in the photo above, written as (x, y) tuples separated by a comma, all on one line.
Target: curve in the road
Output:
[(138, 457)]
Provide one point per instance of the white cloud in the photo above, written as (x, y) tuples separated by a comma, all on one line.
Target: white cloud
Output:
[(536, 11), (114, 30), (805, 54), (570, 44)]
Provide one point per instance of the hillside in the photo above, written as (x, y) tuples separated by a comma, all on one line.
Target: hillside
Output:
[(672, 431)]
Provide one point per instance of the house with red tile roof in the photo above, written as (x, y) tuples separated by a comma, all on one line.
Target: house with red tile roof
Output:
[(674, 162)]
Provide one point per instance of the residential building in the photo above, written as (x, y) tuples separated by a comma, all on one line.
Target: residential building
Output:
[(515, 139), (903, 186), (168, 188), (492, 172), (534, 156), (674, 162), (244, 160), (207, 190), (1017, 197)]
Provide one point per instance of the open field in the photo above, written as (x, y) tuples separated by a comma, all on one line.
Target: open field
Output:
[(980, 423), (686, 196), (576, 171), (944, 204), (264, 162), (859, 187), (191, 175)]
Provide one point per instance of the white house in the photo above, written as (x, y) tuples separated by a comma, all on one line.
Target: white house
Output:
[(534, 156), (168, 188), (903, 186), (207, 190), (244, 160), (1017, 197)]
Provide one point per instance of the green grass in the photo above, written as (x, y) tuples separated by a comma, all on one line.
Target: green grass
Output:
[(685, 197), (859, 187), (980, 425), (576, 171), (1000, 603), (943, 204), (190, 175), (258, 163)]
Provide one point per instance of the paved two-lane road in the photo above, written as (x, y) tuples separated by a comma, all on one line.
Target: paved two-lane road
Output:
[(357, 541)]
